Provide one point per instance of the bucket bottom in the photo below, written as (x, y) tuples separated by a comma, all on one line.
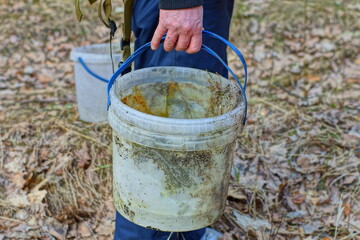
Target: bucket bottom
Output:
[(166, 190), (164, 222)]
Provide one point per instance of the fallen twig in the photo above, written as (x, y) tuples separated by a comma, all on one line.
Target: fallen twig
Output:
[(81, 135), (289, 92)]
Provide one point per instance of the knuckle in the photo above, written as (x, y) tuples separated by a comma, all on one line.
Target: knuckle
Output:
[(169, 43), (157, 35), (187, 28), (199, 29), (174, 25), (182, 44)]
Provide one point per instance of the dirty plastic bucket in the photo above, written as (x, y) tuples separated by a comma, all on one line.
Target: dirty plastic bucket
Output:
[(172, 174), (90, 90)]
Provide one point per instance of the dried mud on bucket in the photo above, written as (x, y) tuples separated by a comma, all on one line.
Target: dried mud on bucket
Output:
[(181, 100)]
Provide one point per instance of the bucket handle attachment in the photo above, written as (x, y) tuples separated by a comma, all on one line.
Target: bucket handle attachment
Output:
[(140, 50), (83, 64)]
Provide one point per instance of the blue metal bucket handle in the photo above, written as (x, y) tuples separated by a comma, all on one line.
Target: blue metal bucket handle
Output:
[(140, 50)]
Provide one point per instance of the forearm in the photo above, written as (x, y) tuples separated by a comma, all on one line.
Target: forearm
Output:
[(179, 4)]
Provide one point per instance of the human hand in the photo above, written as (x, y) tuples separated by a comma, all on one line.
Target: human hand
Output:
[(183, 27)]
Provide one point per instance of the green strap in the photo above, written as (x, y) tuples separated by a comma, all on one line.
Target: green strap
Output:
[(105, 8), (104, 11), (79, 14), (126, 28)]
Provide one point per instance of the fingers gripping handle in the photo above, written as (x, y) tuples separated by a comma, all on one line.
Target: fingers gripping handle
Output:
[(205, 48)]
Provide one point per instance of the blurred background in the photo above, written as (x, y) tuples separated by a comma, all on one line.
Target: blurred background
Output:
[(296, 167)]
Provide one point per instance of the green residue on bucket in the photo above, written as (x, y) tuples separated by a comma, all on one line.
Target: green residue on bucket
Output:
[(178, 167), (172, 174), (121, 206)]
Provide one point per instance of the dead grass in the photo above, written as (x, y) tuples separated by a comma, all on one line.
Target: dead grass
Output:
[(297, 163)]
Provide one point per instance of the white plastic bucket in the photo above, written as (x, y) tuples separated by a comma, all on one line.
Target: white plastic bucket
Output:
[(90, 91), (172, 174)]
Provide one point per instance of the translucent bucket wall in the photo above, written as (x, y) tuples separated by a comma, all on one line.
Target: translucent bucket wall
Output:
[(172, 170)]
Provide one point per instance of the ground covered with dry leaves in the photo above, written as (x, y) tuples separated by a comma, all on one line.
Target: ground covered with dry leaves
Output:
[(296, 168)]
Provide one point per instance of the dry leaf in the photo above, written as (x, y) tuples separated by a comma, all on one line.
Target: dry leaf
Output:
[(84, 159), (84, 229), (245, 221), (227, 236), (55, 228), (15, 163), (353, 80), (105, 228), (298, 199), (42, 78), (350, 179), (278, 152), (304, 162), (43, 153), (347, 209), (236, 192), (18, 199), (357, 61), (72, 231), (313, 78), (317, 198), (37, 196), (18, 179)]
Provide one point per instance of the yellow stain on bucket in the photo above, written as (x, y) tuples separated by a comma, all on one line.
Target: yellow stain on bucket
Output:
[(181, 100), (137, 101)]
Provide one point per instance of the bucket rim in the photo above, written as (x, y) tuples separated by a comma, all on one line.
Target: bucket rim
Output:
[(92, 57), (233, 114)]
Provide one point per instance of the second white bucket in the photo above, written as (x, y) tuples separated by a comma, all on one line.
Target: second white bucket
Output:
[(90, 91)]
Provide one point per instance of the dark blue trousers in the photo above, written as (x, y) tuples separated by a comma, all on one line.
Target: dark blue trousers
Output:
[(217, 16), (126, 230)]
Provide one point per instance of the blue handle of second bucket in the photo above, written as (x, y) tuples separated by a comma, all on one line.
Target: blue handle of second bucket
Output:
[(132, 57), (83, 64)]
